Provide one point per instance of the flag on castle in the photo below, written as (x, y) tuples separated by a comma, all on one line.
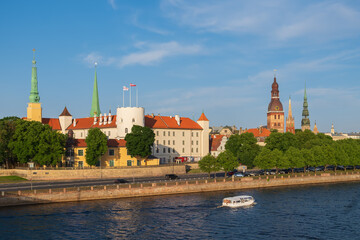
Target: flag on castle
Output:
[(132, 85), (125, 88)]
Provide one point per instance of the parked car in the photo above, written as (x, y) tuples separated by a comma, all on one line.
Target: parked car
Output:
[(239, 174), (313, 169), (171, 176), (231, 172), (120, 180)]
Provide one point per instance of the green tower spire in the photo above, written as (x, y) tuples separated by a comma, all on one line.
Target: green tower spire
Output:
[(34, 93), (305, 122), (95, 107)]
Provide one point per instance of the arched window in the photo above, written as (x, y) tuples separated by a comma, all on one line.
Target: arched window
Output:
[(126, 130), (275, 116)]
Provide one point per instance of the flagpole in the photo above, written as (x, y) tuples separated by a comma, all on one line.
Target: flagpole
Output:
[(123, 98), (137, 97), (130, 96)]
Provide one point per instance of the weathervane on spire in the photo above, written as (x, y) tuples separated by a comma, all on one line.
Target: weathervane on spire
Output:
[(34, 62), (95, 64)]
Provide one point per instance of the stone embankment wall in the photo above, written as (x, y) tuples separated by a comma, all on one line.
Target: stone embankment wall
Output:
[(69, 174), (178, 187)]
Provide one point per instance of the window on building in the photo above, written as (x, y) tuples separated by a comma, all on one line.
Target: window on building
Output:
[(183, 150), (278, 116), (164, 133), (192, 134), (157, 150), (192, 150), (183, 142), (169, 142), (168, 133), (126, 130), (173, 150), (183, 134), (164, 151), (80, 152), (197, 134), (197, 142), (139, 162), (80, 164), (157, 133), (129, 162), (174, 134), (275, 116), (173, 142), (81, 135), (109, 133), (168, 150), (111, 152), (220, 148), (197, 150), (164, 142), (111, 163), (192, 142), (157, 142)]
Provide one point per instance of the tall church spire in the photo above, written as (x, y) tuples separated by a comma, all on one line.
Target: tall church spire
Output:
[(34, 93), (275, 114), (290, 123), (95, 107), (305, 122)]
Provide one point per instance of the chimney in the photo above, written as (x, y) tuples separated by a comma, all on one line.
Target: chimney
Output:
[(100, 119), (95, 120), (177, 118), (74, 122), (105, 119), (152, 115), (109, 121)]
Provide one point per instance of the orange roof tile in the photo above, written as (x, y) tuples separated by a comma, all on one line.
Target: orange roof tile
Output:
[(170, 122), (203, 118), (86, 123), (52, 122), (110, 143), (215, 141), (256, 131)]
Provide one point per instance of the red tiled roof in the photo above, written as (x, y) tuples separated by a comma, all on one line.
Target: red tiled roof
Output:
[(86, 123), (52, 122), (256, 131), (215, 141), (170, 122), (110, 143), (203, 118)]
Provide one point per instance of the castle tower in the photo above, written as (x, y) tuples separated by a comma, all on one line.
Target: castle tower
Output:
[(34, 111), (127, 117), (290, 122), (204, 140), (275, 114), (95, 107), (332, 129), (65, 120), (305, 122)]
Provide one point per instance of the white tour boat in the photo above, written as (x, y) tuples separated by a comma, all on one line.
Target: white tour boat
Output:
[(238, 201)]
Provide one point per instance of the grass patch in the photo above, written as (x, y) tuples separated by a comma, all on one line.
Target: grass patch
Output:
[(11, 179)]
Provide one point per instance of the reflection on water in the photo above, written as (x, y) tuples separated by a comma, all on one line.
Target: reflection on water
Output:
[(312, 212)]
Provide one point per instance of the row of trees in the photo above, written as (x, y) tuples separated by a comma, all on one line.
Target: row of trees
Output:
[(284, 150), (30, 141)]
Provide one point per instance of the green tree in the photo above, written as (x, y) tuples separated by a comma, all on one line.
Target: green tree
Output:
[(34, 141), (7, 131), (329, 156), (295, 158), (308, 156), (227, 161), (280, 160), (274, 141), (244, 147), (265, 159), (209, 164), (303, 137), (341, 156), (140, 141), (96, 142), (319, 156)]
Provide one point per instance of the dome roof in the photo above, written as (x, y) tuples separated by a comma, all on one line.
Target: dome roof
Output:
[(275, 105)]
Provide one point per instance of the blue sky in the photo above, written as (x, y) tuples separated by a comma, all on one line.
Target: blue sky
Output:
[(185, 57)]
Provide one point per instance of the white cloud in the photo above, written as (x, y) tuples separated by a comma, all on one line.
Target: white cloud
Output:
[(278, 19), (148, 54), (112, 4)]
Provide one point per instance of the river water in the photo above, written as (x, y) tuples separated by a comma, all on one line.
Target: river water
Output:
[(308, 212)]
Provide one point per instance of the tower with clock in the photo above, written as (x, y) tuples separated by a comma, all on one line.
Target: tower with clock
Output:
[(275, 114)]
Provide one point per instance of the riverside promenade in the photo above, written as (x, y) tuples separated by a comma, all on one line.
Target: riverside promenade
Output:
[(165, 188)]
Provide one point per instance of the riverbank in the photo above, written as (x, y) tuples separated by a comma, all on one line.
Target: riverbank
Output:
[(166, 188)]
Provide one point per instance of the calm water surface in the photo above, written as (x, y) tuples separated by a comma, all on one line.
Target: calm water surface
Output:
[(312, 212)]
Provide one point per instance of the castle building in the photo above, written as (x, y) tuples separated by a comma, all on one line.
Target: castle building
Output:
[(290, 122), (275, 114), (305, 122), (175, 136)]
